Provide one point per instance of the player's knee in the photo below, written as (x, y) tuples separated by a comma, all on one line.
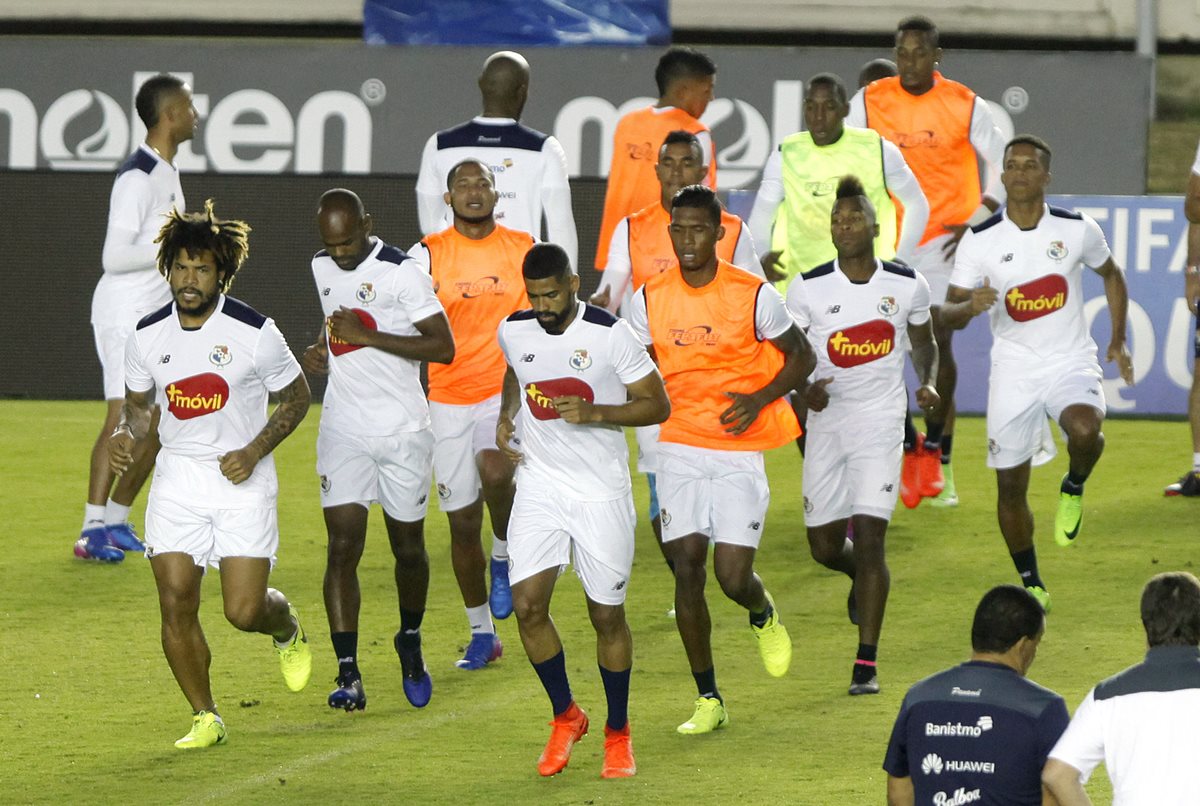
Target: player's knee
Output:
[(178, 606), (690, 573), (734, 581), (496, 477), (531, 611), (823, 550), (609, 622), (243, 615)]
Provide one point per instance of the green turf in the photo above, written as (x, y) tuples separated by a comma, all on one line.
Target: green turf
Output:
[(89, 709)]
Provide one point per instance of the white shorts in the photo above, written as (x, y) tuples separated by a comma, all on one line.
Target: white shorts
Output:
[(110, 346), (1019, 403), (851, 469), (209, 535), (932, 263), (394, 470), (647, 442), (722, 495), (550, 531), (460, 433)]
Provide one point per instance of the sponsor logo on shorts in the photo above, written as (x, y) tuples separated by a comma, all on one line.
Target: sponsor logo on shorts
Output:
[(340, 346), (755, 525), (959, 797), (219, 355), (1006, 257), (422, 499), (365, 293), (443, 491), (481, 287), (958, 729), (540, 395), (664, 517), (580, 360), (955, 691), (1037, 298), (197, 395), (886, 488), (697, 334), (862, 343), (1057, 250), (888, 306), (993, 447), (325, 485), (325, 291), (808, 504), (620, 584)]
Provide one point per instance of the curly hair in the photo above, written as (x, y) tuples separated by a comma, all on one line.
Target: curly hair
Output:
[(227, 240)]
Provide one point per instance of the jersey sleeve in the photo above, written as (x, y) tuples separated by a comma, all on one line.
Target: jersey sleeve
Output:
[(128, 208), (989, 143), (431, 207), (895, 760), (419, 252), (967, 272), (707, 146), (137, 376), (630, 360), (858, 110), (918, 313), (500, 339), (797, 303), (1095, 248), (274, 363), (415, 291), (620, 267), (1050, 727), (556, 201), (903, 184), (745, 256), (1082, 743), (770, 195), (771, 317), (637, 318)]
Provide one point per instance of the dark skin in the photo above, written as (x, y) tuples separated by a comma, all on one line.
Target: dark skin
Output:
[(504, 85)]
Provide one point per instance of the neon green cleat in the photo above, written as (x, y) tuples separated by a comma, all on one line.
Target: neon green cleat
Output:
[(1068, 518), (207, 730), (948, 497), (295, 659), (774, 643), (709, 715), (1042, 595)]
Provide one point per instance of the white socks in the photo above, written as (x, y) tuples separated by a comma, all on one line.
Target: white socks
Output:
[(480, 619)]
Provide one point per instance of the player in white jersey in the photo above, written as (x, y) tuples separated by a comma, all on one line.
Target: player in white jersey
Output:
[(861, 315), (208, 361), (146, 189), (382, 320), (1025, 265), (576, 374), (1189, 483), (530, 167)]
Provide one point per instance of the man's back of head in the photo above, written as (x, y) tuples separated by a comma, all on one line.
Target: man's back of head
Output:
[(1005, 615), (504, 84), (1171, 610)]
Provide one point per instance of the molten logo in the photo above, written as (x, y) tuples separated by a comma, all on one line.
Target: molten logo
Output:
[(340, 346), (1037, 298), (481, 287), (540, 395), (196, 396), (861, 344), (697, 334)]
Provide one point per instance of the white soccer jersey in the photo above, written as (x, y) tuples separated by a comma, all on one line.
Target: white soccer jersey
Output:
[(372, 392), (531, 177), (860, 334), (1196, 162), (593, 358), (211, 384), (146, 189), (1039, 276)]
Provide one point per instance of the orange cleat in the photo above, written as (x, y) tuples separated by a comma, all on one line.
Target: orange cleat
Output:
[(567, 728), (930, 480), (618, 754), (910, 489)]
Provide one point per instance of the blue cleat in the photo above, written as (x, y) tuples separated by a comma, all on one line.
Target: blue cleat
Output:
[(123, 537), (501, 597), (93, 545), (483, 649), (418, 685), (349, 694)]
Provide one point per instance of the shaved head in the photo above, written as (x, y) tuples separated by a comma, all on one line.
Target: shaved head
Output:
[(345, 227), (341, 202), (504, 84)]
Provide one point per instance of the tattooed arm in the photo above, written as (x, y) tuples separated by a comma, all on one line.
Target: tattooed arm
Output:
[(135, 424), (237, 466)]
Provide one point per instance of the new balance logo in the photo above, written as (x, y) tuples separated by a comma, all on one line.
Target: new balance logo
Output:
[(756, 525), (324, 292), (833, 309), (1007, 258), (887, 488), (165, 358), (527, 357)]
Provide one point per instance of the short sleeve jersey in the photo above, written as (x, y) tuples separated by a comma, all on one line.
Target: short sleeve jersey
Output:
[(594, 358), (211, 383), (372, 392), (860, 334), (146, 189), (1039, 276), (975, 733)]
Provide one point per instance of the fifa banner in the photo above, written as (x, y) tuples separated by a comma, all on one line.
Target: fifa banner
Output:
[(352, 108), (516, 22)]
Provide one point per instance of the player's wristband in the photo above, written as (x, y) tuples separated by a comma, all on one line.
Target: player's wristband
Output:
[(123, 427)]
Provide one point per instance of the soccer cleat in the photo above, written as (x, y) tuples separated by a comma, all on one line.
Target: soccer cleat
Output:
[(1188, 485), (349, 694), (774, 643), (207, 730), (93, 545), (852, 606), (709, 715), (910, 490), (948, 497), (295, 659), (565, 730), (123, 536), (618, 754), (1068, 518), (1042, 595), (483, 649), (500, 599), (869, 687), (930, 479), (418, 685)]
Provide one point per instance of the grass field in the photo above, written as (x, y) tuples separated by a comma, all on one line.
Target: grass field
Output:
[(89, 708)]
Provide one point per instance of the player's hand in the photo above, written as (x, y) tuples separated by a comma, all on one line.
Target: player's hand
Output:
[(504, 437), (237, 466), (927, 398), (816, 396), (315, 360), (1191, 290), (120, 450), (575, 410), (773, 267), (983, 297), (345, 325), (742, 413), (601, 298), (1119, 352), (957, 231)]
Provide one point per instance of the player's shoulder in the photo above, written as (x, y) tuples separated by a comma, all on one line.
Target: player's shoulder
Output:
[(898, 269), (473, 134), (989, 222), (155, 316), (139, 162), (239, 311), (392, 254), (824, 270), (1063, 213), (526, 315), (598, 316)]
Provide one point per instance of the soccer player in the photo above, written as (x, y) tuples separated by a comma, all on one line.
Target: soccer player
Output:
[(530, 167), (942, 127), (728, 351), (875, 70), (801, 176), (860, 314), (981, 727), (685, 79), (575, 375), (209, 362), (382, 319), (1189, 483), (476, 270), (146, 189), (1025, 265)]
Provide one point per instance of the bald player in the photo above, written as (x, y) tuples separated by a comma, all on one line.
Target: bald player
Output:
[(530, 167)]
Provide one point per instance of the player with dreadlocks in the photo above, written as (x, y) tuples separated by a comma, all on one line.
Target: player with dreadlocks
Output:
[(209, 361)]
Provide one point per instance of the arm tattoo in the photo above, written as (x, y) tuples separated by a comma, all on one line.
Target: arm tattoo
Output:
[(293, 405), (135, 413)]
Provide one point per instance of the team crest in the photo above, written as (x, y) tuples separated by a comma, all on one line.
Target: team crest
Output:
[(365, 293), (220, 355), (993, 447), (580, 360), (1057, 250), (808, 505), (325, 483), (443, 491), (888, 306)]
